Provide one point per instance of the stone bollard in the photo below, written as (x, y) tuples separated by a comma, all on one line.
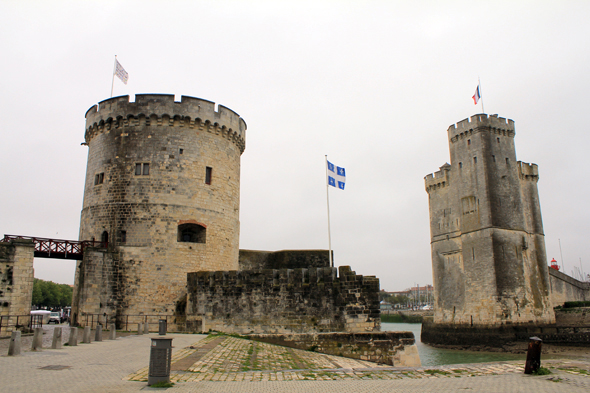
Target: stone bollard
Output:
[(37, 339), (146, 328), (98, 333), (533, 355), (56, 342), (140, 329), (86, 335), (73, 341), (14, 346), (113, 333)]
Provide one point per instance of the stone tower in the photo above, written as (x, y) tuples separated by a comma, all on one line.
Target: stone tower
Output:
[(162, 190), (488, 249)]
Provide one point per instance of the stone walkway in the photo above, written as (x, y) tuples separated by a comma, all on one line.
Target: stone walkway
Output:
[(230, 364)]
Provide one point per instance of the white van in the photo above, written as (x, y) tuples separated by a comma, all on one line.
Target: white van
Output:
[(44, 313)]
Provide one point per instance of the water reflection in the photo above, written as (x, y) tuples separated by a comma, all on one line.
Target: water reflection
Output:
[(430, 356)]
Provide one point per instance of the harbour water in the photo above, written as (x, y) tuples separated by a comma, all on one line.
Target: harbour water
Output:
[(430, 356)]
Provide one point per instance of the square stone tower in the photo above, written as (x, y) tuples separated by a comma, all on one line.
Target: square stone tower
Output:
[(488, 249)]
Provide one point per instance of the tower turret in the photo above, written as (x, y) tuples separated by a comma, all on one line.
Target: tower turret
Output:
[(162, 190), (488, 250)]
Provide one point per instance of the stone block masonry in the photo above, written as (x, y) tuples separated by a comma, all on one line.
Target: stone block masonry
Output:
[(162, 190), (391, 348), (16, 283), (487, 242), (283, 301)]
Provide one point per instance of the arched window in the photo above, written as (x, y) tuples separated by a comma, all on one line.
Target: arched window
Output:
[(192, 233), (104, 239)]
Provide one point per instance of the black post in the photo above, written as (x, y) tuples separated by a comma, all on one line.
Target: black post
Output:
[(533, 355)]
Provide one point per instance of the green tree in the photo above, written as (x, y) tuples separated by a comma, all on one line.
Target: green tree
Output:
[(49, 294)]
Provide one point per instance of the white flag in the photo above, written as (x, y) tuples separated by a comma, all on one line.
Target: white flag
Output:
[(337, 177), (120, 72)]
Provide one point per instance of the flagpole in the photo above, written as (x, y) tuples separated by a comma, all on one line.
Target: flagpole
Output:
[(328, 200), (480, 95), (113, 82)]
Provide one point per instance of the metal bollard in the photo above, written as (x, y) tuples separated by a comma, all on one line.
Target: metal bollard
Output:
[(139, 329), (73, 341), (146, 328), (56, 342), (162, 327), (533, 355), (14, 346), (113, 333), (86, 335), (98, 332), (160, 360)]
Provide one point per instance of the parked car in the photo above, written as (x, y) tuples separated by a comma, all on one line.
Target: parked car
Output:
[(54, 317)]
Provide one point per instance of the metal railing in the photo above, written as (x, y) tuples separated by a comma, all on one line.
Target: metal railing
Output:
[(19, 321), (123, 322), (57, 248)]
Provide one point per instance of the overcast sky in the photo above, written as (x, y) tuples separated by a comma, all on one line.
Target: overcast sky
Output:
[(372, 84)]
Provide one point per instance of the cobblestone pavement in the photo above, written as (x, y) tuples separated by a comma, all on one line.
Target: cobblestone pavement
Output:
[(229, 364)]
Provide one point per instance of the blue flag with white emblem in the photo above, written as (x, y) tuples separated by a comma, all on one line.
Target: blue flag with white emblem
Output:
[(336, 176)]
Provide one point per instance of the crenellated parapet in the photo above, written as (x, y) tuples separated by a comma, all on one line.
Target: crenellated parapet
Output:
[(465, 128), (529, 172), (437, 180), (300, 300), (161, 110), (266, 277)]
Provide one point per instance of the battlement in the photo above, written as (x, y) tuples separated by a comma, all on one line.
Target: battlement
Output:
[(466, 127), (284, 300), (162, 110), (438, 179), (528, 171)]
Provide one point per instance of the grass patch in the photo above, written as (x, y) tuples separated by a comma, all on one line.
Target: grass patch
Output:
[(162, 384), (401, 318), (575, 370), (542, 371), (433, 372)]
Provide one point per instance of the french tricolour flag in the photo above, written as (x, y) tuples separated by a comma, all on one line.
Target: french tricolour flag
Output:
[(476, 96), (336, 176)]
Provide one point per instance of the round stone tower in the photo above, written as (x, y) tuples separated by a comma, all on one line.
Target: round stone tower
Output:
[(162, 194)]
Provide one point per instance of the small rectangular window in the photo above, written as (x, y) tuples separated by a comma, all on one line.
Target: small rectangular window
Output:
[(468, 142), (99, 178), (123, 236), (493, 158), (475, 160), (507, 161), (460, 165), (181, 151), (142, 169), (498, 139), (208, 174)]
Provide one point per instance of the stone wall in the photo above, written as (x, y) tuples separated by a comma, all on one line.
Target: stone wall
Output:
[(97, 291), (285, 259), (163, 188), (283, 301), (501, 336), (567, 289), (16, 281), (393, 348)]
